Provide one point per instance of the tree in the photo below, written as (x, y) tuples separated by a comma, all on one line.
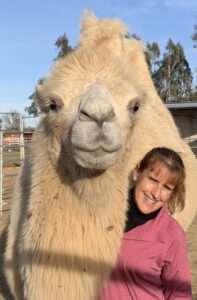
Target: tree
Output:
[(32, 109), (194, 94), (173, 77), (63, 48), (12, 120), (153, 60), (194, 38), (153, 56), (194, 35)]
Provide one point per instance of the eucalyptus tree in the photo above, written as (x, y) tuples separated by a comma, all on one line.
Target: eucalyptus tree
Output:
[(174, 77), (194, 35)]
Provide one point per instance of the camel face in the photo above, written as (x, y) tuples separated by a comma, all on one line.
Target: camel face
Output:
[(96, 137), (93, 117)]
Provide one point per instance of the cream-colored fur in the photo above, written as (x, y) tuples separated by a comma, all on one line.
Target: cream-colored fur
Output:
[(71, 197)]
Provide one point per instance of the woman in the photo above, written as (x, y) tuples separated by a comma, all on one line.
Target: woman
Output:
[(153, 262)]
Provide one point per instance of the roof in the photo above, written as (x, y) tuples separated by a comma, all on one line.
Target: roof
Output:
[(182, 105)]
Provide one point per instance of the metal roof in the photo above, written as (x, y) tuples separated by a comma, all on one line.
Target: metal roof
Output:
[(182, 105)]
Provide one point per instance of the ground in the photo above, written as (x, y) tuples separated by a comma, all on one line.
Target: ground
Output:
[(191, 235)]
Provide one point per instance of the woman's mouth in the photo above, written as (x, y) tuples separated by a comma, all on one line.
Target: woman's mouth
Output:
[(150, 199)]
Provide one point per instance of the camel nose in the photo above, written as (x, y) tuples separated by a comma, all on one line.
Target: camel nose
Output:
[(96, 106)]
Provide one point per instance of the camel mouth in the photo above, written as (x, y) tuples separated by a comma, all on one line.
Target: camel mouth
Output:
[(99, 159), (99, 150)]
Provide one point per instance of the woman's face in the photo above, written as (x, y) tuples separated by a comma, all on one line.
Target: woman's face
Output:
[(154, 187)]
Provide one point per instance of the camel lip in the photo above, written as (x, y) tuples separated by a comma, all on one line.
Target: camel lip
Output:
[(95, 160), (97, 150)]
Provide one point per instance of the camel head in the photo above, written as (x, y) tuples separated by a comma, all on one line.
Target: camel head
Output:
[(91, 100)]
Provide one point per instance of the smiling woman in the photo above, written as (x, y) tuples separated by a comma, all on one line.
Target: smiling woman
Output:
[(160, 181), (151, 234)]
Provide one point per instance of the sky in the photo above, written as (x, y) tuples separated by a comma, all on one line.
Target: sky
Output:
[(29, 29)]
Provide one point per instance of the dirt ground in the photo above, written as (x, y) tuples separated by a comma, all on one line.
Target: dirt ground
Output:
[(191, 238)]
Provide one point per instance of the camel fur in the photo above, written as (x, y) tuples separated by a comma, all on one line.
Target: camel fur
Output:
[(100, 115)]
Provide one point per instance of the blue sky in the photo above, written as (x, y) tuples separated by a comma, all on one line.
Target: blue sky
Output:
[(29, 29)]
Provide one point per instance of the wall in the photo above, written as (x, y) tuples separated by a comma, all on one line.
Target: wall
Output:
[(186, 121)]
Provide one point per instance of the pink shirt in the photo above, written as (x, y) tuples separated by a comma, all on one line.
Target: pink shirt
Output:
[(152, 264)]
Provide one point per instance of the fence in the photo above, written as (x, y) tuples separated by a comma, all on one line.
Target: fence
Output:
[(14, 144)]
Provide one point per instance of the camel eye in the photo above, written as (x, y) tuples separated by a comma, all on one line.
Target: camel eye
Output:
[(55, 103), (133, 106), (53, 106)]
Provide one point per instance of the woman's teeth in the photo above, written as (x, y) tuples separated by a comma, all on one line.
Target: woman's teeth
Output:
[(150, 200)]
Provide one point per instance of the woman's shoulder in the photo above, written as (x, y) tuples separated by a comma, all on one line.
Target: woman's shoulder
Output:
[(173, 238), (173, 229)]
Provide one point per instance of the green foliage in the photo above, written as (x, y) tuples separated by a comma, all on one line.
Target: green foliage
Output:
[(154, 62), (63, 46), (153, 56), (32, 109), (194, 94), (194, 35), (171, 75)]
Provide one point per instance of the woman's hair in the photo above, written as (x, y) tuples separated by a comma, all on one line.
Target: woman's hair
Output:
[(174, 163)]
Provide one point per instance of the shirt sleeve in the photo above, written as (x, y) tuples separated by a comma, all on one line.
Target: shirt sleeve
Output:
[(176, 271)]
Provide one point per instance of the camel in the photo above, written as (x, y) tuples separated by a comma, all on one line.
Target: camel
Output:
[(100, 114)]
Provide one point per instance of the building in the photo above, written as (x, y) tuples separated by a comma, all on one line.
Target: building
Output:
[(185, 116), (11, 139)]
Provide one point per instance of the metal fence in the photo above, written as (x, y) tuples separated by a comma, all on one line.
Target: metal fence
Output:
[(14, 144)]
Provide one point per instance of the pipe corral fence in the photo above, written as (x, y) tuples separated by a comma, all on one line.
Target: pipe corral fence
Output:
[(15, 137)]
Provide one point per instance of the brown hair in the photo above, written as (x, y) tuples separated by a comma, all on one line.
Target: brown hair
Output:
[(174, 163)]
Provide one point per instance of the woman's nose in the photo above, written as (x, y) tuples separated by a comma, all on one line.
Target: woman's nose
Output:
[(156, 192)]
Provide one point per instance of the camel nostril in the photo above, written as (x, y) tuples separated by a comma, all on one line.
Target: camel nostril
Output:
[(97, 118), (84, 116)]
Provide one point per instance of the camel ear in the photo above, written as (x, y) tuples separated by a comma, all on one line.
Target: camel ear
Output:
[(88, 20), (102, 32), (135, 54)]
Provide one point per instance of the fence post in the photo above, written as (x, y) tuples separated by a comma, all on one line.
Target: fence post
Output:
[(22, 146)]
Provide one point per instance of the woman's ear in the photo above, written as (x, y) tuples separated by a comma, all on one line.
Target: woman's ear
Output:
[(135, 174)]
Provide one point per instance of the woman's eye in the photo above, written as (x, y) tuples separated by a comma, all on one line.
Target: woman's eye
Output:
[(169, 188), (153, 179)]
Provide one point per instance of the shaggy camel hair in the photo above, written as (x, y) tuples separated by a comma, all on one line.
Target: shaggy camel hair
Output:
[(100, 115)]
